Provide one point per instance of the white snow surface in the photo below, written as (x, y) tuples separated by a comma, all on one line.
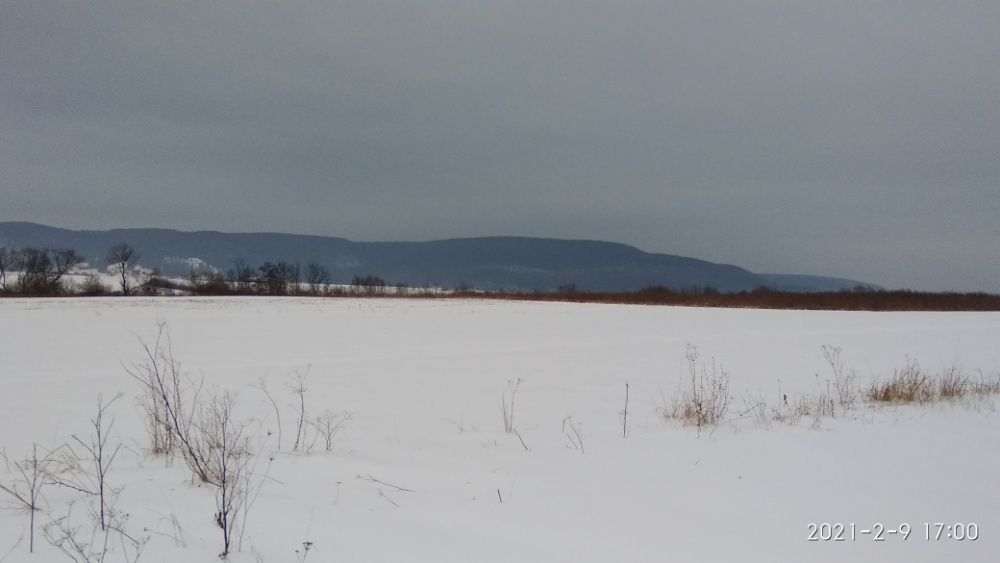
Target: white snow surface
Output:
[(423, 380)]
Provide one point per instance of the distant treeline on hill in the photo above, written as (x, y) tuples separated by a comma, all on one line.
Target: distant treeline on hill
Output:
[(46, 272), (38, 272), (858, 299), (502, 263)]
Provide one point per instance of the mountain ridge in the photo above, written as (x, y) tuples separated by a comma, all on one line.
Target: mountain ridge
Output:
[(491, 262)]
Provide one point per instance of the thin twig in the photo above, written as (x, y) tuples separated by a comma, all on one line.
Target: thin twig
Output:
[(398, 488), (386, 497), (518, 434), (625, 414)]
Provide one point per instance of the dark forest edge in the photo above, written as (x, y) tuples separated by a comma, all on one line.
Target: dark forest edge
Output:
[(44, 272)]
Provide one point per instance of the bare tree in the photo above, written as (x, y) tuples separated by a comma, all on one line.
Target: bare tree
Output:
[(276, 277), (241, 276), (317, 276), (64, 260), (6, 261), (42, 269), (120, 257), (369, 283), (34, 265), (295, 277)]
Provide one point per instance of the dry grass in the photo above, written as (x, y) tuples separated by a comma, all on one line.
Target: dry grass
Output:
[(985, 385), (911, 384), (907, 385), (952, 385), (704, 399), (707, 400)]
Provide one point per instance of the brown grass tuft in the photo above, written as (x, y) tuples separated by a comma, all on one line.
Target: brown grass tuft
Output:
[(707, 401), (914, 385)]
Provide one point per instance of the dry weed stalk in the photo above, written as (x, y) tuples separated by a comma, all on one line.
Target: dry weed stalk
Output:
[(707, 401), (507, 406), (170, 403)]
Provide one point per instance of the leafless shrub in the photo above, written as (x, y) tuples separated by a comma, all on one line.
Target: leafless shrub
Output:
[(65, 536), (91, 286), (225, 447), (24, 491), (507, 405), (93, 544), (88, 473), (217, 448), (328, 424), (170, 403)]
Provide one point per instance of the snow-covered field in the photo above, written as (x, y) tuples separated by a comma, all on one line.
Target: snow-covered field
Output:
[(423, 381)]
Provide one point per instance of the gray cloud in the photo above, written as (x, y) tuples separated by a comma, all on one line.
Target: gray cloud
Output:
[(850, 138)]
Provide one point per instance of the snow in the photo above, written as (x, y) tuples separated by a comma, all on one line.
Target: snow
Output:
[(423, 380)]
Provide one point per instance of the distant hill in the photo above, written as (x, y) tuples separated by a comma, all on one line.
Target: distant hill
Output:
[(511, 263)]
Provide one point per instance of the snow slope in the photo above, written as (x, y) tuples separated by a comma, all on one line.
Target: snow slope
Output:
[(423, 380)]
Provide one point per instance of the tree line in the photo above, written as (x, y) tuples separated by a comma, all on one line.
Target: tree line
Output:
[(36, 271), (271, 278), (43, 271)]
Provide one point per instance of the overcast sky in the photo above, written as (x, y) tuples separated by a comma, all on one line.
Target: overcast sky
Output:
[(856, 139)]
